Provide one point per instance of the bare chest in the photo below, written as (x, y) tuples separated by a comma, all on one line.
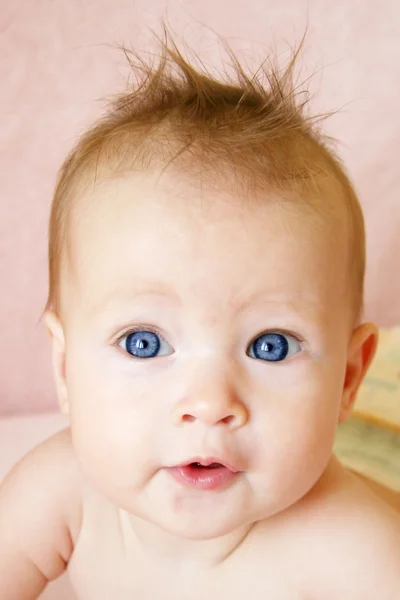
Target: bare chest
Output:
[(108, 562), (95, 580), (106, 565)]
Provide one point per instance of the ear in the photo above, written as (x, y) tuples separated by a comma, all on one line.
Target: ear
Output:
[(56, 333), (361, 351)]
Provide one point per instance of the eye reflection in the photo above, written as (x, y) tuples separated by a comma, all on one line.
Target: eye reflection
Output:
[(145, 344), (274, 347), (270, 347)]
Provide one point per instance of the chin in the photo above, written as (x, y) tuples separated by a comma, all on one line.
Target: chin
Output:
[(195, 528)]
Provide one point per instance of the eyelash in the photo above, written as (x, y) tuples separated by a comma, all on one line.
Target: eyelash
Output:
[(139, 328), (144, 327)]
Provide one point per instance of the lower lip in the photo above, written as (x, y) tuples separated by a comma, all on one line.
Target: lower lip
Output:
[(201, 478)]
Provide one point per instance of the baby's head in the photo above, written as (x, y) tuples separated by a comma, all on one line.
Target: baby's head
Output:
[(206, 262)]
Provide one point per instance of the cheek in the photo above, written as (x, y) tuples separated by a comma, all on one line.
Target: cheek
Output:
[(295, 453), (297, 429), (317, 425), (115, 449), (111, 425)]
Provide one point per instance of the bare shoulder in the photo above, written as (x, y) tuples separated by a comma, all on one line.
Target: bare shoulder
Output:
[(354, 541), (40, 504)]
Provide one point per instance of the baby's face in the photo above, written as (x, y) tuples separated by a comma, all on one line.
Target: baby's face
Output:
[(199, 329)]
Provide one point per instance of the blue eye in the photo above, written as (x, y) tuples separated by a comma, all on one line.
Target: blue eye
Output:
[(271, 347), (274, 347), (145, 344)]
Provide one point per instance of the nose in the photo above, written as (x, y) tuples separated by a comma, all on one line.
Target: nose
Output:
[(212, 401)]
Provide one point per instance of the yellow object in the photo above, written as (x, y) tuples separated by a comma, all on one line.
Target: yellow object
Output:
[(369, 442), (378, 399)]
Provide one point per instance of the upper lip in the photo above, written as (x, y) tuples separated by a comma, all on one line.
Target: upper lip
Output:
[(209, 460)]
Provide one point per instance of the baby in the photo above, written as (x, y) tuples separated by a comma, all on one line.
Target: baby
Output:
[(206, 266)]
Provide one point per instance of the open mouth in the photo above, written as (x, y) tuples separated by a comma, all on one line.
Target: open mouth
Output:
[(198, 465), (211, 476)]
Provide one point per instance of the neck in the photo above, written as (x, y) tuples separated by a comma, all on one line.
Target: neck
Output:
[(164, 547)]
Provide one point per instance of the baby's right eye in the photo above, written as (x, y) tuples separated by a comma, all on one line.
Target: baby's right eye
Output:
[(145, 344)]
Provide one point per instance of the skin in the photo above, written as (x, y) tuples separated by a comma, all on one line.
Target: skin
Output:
[(208, 273)]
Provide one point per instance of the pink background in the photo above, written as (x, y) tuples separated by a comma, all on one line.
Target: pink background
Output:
[(55, 67)]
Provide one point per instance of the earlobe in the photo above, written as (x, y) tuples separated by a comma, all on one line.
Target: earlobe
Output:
[(361, 351), (56, 333)]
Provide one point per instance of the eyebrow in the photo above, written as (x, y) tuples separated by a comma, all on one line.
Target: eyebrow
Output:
[(120, 294)]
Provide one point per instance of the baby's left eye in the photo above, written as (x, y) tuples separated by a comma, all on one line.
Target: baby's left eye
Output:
[(274, 347)]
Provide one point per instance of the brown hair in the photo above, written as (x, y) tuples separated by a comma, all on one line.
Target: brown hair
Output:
[(252, 127)]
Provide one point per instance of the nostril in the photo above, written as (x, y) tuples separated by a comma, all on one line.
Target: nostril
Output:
[(228, 420), (188, 418)]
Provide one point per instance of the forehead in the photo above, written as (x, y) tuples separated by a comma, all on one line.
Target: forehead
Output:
[(141, 232)]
